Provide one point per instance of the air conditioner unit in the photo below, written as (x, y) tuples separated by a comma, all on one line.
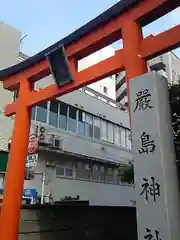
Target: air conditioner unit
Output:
[(56, 142), (44, 137), (42, 131)]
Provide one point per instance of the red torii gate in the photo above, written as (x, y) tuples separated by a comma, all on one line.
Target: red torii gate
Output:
[(124, 20)]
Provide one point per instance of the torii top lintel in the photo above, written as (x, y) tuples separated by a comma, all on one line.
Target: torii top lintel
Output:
[(118, 22)]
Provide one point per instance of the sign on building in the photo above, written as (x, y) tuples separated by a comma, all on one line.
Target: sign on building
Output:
[(32, 160), (157, 193), (33, 143)]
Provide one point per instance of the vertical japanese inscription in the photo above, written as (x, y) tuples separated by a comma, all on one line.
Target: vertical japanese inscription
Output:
[(143, 100), (157, 203), (147, 145), (152, 234), (150, 188)]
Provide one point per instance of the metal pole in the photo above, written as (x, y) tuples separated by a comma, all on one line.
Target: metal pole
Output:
[(43, 185)]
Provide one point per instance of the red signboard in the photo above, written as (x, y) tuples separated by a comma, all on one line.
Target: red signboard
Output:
[(33, 143)]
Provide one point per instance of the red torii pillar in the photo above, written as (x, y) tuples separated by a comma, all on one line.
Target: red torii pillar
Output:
[(131, 58)]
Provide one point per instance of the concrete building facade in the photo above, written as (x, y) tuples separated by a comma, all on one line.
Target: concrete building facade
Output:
[(106, 86), (9, 49), (167, 65), (84, 140)]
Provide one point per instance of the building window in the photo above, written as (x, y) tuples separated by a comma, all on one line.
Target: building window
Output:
[(105, 90), (116, 135), (98, 172), (65, 170), (82, 170), (102, 173), (60, 171), (42, 113), (112, 175), (110, 132), (123, 136), (33, 112), (81, 123), (109, 175), (174, 76), (63, 115), (15, 95), (179, 77), (103, 130), (89, 125), (53, 114), (72, 120), (97, 131), (128, 138), (95, 172)]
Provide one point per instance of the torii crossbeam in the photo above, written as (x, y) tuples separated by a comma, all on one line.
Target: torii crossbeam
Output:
[(124, 20)]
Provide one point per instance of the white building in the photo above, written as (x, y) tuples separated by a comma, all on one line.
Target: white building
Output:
[(167, 65), (84, 138), (9, 49), (106, 86)]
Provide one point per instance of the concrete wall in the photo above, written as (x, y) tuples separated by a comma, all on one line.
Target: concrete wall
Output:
[(98, 194), (71, 222), (9, 50)]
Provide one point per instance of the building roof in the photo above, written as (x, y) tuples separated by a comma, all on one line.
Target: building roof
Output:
[(102, 19)]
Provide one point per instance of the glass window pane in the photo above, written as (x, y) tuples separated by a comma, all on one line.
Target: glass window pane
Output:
[(128, 139), (42, 113), (96, 128), (103, 130), (110, 175), (79, 165), (63, 115), (102, 169), (102, 173), (95, 174), (33, 110), (105, 90), (110, 132), (123, 136), (81, 122), (72, 122), (72, 112), (68, 172), (102, 177), (116, 134), (82, 170), (59, 171), (89, 126), (53, 114)]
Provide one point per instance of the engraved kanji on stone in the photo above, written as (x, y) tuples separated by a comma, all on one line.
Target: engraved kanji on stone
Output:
[(150, 188), (143, 100), (147, 145), (152, 234)]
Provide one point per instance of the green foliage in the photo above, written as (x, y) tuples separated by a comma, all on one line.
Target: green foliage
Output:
[(174, 96), (126, 173)]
